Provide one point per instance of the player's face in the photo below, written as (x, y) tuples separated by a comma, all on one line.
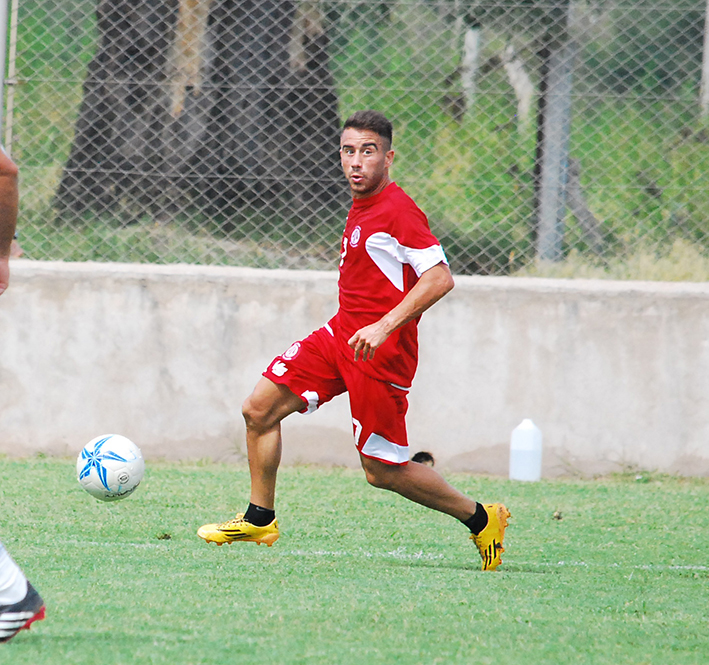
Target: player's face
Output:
[(365, 161)]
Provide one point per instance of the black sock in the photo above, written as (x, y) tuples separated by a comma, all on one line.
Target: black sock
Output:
[(259, 516), (476, 523)]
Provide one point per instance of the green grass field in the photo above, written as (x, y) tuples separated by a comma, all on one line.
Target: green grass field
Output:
[(359, 575)]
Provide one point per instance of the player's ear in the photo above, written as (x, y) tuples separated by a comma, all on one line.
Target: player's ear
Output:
[(389, 158)]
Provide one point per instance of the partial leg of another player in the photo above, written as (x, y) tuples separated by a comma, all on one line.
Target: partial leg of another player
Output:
[(423, 485), (20, 604), (263, 412)]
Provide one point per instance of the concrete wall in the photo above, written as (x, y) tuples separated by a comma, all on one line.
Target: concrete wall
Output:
[(616, 374)]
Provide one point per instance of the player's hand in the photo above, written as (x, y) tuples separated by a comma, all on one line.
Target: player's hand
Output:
[(367, 340), (4, 273)]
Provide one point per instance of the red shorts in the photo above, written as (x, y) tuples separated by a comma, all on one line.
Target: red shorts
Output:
[(317, 371)]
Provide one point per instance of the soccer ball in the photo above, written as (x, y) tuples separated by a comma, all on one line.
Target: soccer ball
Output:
[(110, 467)]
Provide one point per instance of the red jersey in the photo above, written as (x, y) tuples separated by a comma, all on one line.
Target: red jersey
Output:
[(386, 246)]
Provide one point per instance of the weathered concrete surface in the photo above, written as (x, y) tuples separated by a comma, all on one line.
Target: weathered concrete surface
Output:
[(616, 374)]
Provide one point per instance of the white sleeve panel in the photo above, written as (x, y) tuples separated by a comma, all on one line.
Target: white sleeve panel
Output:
[(422, 260), (390, 256)]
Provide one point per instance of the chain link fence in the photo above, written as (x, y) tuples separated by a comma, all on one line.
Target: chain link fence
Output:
[(206, 131)]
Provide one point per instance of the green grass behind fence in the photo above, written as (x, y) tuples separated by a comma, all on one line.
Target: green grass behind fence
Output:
[(359, 575), (644, 160)]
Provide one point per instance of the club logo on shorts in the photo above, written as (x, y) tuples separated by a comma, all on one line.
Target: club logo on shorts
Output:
[(292, 351), (278, 368), (355, 237)]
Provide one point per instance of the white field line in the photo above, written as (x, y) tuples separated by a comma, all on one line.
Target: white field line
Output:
[(400, 553), (116, 546), (584, 564)]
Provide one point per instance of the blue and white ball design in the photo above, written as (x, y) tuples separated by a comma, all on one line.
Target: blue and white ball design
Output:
[(110, 467)]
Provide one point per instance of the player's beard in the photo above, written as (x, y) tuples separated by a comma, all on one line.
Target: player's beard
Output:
[(367, 185)]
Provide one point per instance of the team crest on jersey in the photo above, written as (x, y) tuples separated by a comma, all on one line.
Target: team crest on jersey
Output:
[(355, 236), (292, 351)]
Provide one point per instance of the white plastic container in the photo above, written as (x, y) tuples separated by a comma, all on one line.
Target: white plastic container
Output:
[(526, 452)]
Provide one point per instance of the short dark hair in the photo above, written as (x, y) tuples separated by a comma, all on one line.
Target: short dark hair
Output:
[(374, 121), (424, 458)]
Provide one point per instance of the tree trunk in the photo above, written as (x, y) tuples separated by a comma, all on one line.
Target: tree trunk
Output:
[(521, 84), (469, 62), (205, 105), (575, 199), (704, 91), (553, 131), (116, 150)]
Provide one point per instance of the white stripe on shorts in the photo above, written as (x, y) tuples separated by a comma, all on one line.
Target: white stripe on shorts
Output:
[(313, 400), (378, 447)]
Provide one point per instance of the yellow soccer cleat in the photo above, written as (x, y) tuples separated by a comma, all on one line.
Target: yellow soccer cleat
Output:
[(489, 540), (239, 530)]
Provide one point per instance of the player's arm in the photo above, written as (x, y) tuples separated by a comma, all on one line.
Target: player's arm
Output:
[(433, 284), (8, 215)]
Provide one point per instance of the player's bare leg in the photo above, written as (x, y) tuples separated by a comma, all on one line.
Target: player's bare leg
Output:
[(424, 485), (421, 484), (263, 412)]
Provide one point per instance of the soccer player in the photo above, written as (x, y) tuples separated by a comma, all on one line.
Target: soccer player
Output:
[(9, 199), (20, 604), (392, 269)]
